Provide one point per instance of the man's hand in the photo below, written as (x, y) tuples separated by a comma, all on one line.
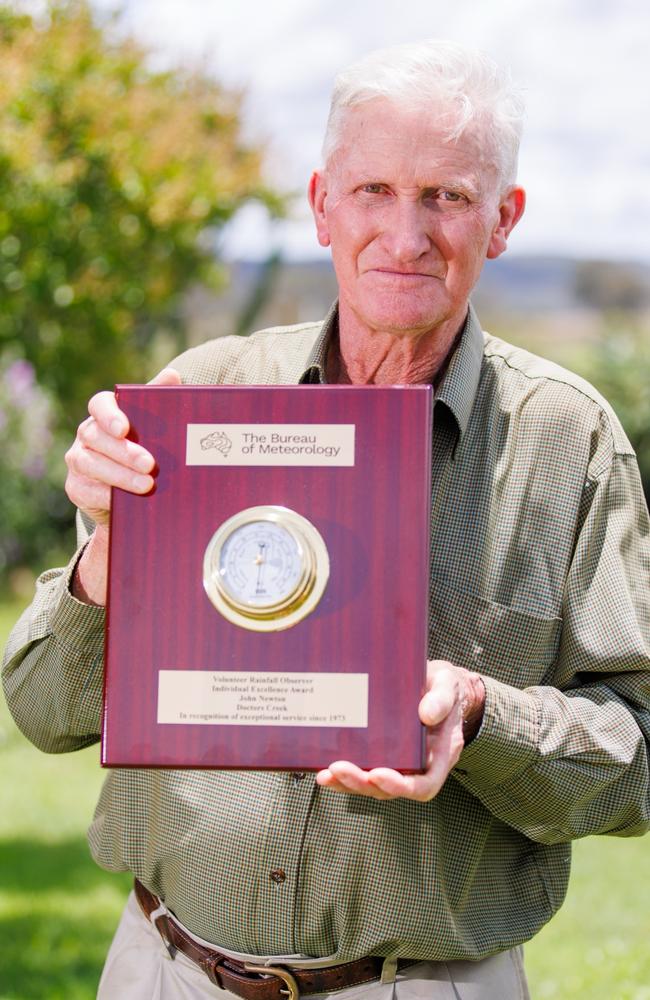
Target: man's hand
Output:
[(452, 710), (102, 457)]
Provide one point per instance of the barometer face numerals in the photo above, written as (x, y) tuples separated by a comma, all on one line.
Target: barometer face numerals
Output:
[(261, 564), (266, 568)]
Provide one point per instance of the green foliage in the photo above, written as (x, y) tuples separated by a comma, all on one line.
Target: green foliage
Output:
[(618, 364), (34, 511), (114, 179)]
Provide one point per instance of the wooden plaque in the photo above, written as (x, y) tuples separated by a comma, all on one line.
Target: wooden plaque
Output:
[(199, 675)]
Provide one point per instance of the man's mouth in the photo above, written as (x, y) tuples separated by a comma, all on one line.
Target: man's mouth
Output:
[(400, 273)]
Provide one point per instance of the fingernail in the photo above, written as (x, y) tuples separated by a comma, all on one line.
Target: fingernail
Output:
[(117, 427), (141, 483)]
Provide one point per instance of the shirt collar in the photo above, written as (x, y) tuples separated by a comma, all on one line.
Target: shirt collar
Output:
[(315, 372), (458, 387)]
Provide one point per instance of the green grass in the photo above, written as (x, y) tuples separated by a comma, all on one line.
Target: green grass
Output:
[(598, 945), (58, 910)]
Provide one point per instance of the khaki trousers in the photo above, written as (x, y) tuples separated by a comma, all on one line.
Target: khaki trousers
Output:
[(138, 967)]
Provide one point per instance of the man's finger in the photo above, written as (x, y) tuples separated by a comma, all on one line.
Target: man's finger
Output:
[(125, 452), (103, 407), (94, 466), (343, 772), (342, 776), (381, 783)]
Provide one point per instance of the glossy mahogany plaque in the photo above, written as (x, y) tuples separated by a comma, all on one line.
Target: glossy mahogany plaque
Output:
[(374, 519)]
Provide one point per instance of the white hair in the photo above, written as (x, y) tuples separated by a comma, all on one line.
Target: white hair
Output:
[(465, 83)]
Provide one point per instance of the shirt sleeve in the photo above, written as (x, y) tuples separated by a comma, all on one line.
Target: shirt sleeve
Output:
[(54, 664), (562, 761)]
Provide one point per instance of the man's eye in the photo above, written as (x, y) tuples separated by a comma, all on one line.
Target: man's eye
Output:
[(372, 188), (446, 200)]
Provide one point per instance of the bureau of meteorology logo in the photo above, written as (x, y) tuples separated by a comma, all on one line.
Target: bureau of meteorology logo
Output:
[(217, 441)]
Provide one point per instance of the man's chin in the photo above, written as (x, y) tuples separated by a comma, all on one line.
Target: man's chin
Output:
[(407, 326), (400, 316), (405, 315)]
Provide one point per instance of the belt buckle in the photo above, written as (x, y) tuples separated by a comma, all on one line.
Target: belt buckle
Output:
[(281, 973)]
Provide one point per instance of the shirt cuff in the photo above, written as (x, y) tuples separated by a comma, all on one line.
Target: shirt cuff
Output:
[(507, 742), (75, 624)]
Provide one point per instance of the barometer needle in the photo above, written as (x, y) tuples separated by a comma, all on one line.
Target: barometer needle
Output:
[(260, 561)]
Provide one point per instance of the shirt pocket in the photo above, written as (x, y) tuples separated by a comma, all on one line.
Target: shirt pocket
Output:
[(514, 646)]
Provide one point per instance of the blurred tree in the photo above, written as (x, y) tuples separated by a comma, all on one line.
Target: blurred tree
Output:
[(618, 364), (114, 179)]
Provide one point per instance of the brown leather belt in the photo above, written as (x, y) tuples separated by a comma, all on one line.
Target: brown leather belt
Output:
[(257, 982)]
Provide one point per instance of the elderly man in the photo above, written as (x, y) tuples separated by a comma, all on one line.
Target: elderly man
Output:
[(538, 702)]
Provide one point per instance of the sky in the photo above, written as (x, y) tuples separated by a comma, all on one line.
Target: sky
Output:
[(584, 66)]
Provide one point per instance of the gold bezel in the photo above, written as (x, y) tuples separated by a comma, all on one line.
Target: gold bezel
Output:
[(304, 596)]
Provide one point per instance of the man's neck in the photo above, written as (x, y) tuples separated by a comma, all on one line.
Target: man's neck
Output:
[(375, 358)]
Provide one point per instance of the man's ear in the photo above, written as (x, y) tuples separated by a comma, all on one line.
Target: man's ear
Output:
[(511, 210), (317, 192)]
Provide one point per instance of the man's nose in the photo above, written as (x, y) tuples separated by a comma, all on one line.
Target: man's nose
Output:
[(407, 235)]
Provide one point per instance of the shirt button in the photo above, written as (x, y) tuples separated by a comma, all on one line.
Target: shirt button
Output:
[(278, 875), (299, 775)]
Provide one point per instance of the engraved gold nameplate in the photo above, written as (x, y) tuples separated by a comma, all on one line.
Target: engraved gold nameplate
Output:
[(266, 568)]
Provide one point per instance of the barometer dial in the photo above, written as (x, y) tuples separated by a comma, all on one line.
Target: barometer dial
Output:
[(266, 568)]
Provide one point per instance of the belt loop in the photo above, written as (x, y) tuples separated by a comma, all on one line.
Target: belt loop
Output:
[(160, 919), (211, 968), (160, 911), (389, 970)]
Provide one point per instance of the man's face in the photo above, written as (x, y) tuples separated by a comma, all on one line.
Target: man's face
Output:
[(410, 218)]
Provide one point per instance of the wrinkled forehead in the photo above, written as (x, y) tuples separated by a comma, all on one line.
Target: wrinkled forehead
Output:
[(380, 133)]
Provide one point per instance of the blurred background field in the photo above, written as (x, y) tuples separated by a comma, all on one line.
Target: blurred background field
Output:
[(120, 175)]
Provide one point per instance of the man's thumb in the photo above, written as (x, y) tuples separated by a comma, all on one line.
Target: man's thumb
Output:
[(168, 376)]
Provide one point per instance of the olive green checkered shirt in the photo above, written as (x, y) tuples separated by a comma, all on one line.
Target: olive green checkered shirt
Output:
[(539, 580)]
